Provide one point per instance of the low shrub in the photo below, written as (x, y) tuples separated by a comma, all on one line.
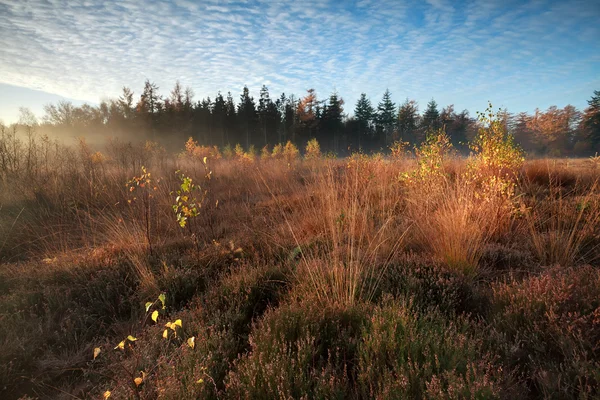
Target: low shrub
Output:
[(408, 355), (300, 350), (551, 326)]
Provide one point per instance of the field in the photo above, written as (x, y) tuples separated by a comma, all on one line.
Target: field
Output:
[(276, 275)]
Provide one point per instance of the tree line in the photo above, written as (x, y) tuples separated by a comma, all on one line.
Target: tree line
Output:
[(266, 121)]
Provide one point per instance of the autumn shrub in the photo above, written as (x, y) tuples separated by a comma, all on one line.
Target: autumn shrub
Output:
[(496, 160), (227, 152), (290, 152), (430, 161), (277, 152), (398, 150), (550, 324), (195, 150), (313, 150), (238, 151), (265, 154)]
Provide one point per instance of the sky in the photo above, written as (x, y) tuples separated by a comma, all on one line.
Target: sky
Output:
[(519, 55)]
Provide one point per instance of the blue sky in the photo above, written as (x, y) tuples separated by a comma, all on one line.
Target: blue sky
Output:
[(520, 55)]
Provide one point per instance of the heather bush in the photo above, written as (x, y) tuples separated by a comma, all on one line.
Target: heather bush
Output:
[(300, 350), (408, 355), (550, 324), (71, 304), (429, 285)]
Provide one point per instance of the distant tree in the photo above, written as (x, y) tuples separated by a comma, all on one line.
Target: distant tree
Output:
[(307, 112), (247, 116), (364, 114), (219, 114), (386, 118), (431, 118), (523, 134), (291, 118), (408, 122), (230, 120), (332, 124), (125, 103), (269, 117), (177, 97), (61, 114), (458, 126), (202, 120), (591, 121), (554, 129), (149, 106), (27, 117), (150, 99)]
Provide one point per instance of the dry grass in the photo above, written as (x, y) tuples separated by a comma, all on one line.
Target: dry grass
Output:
[(350, 215), (294, 253)]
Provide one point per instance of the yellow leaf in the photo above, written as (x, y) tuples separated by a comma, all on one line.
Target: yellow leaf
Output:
[(200, 380), (131, 338), (178, 322), (204, 160), (121, 345), (138, 381), (191, 342), (169, 325), (155, 315), (96, 352), (166, 334), (106, 394)]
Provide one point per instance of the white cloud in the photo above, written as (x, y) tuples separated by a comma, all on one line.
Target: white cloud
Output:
[(441, 49)]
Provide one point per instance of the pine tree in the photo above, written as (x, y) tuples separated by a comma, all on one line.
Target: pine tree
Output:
[(219, 113), (247, 116), (591, 121), (408, 122), (331, 118), (386, 117), (230, 120), (364, 115), (431, 118)]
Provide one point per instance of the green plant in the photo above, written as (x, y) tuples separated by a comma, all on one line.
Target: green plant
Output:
[(430, 159), (187, 205), (497, 159), (133, 364)]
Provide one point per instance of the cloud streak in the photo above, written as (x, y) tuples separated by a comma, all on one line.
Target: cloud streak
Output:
[(464, 53)]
